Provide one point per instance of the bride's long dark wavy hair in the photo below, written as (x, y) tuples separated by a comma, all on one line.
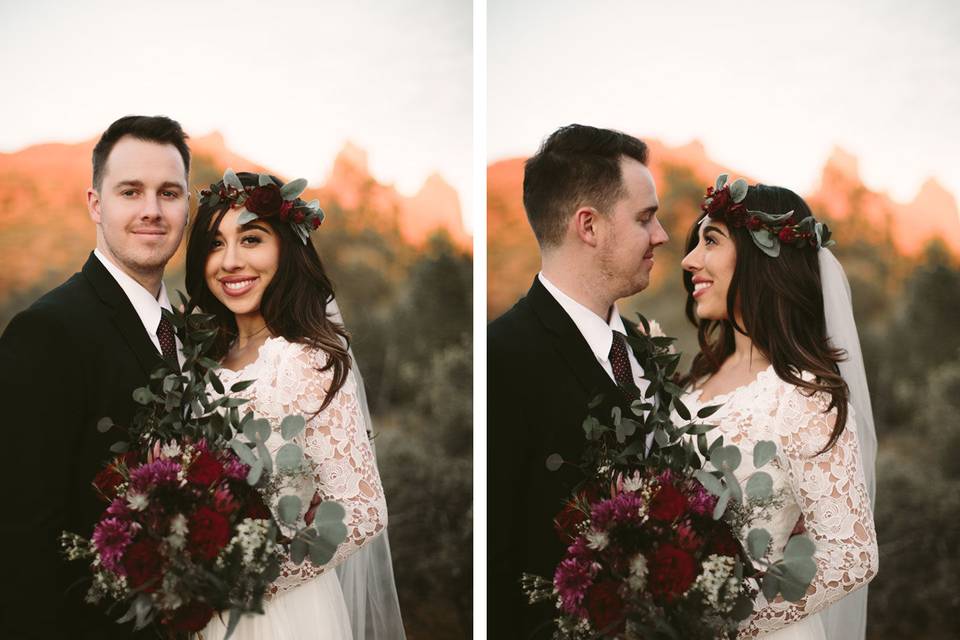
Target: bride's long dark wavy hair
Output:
[(294, 304), (781, 305)]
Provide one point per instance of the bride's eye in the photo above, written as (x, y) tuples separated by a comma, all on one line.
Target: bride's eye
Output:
[(250, 240), (215, 244), (709, 240)]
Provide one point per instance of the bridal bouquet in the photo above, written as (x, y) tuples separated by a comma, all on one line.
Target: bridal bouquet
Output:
[(653, 538), (188, 531)]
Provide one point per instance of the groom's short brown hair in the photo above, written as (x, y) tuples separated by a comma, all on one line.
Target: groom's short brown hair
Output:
[(577, 165)]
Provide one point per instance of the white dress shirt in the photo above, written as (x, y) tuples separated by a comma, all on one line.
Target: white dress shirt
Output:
[(597, 332), (146, 306)]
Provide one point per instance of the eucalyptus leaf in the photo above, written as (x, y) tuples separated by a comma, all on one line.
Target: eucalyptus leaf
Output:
[(257, 430), (264, 179), (325, 545), (616, 414), (721, 180), (763, 238), (104, 424), (738, 190), (119, 447), (554, 461), (231, 180), (246, 217), (291, 426), (757, 542), (293, 188), (709, 481), (763, 452), (771, 586), (256, 470), (721, 505), (143, 396), (800, 570), (726, 458), (595, 401), (289, 508), (733, 485), (661, 437), (760, 485), (681, 408), (264, 455), (799, 546), (299, 548), (328, 512), (289, 457)]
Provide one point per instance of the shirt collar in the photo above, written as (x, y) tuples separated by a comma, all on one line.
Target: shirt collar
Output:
[(146, 306), (595, 330)]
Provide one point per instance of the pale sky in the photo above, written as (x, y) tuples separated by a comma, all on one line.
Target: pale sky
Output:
[(286, 82), (769, 87)]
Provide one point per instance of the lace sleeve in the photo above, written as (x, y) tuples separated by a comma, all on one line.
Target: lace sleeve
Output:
[(336, 443), (834, 504)]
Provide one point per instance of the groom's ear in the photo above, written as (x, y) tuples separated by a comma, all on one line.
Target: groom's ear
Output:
[(585, 225), (93, 204)]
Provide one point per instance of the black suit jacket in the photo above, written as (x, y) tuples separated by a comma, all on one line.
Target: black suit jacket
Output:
[(541, 374), (73, 357)]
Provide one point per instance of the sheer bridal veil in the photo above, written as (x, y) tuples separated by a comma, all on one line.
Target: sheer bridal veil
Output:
[(847, 619), (366, 577)]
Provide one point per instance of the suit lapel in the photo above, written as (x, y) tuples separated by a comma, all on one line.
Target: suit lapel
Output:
[(569, 342), (123, 315)]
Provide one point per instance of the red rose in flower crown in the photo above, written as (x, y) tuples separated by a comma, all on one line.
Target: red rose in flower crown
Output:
[(209, 532), (672, 571), (264, 200), (605, 607)]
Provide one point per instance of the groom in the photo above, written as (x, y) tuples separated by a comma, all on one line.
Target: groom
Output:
[(74, 357), (592, 204)]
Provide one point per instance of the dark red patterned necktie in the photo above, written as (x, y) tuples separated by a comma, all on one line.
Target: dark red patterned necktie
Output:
[(620, 361), (168, 343)]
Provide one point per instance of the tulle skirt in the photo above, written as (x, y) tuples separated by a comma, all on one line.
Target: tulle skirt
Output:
[(809, 628), (313, 611)]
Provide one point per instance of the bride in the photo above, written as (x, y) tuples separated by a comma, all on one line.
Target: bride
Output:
[(779, 350), (249, 262)]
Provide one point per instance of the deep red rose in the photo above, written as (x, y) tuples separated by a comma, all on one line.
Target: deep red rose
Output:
[(687, 538), (315, 222), (205, 470), (668, 505), (723, 543), (193, 616), (672, 571), (754, 223), (787, 234), (566, 522), (298, 216), (144, 564), (209, 532), (264, 201), (720, 201), (605, 607), (106, 482), (285, 209), (736, 216)]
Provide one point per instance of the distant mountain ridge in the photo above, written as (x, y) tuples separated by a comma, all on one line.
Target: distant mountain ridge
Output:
[(513, 257), (46, 233)]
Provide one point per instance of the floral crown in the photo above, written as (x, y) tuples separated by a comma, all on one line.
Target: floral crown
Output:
[(724, 203), (265, 201)]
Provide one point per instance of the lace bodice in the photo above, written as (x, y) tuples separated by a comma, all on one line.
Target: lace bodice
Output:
[(334, 441), (826, 490)]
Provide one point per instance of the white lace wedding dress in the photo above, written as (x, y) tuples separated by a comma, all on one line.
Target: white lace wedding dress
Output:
[(827, 490), (306, 601)]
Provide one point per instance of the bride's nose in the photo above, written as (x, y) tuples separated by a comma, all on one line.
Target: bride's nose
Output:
[(232, 257), (691, 261)]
